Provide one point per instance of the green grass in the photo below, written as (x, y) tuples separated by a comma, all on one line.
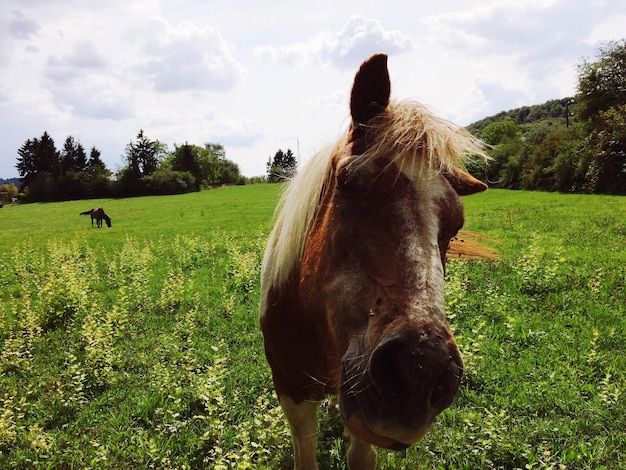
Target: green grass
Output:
[(138, 345), (233, 209)]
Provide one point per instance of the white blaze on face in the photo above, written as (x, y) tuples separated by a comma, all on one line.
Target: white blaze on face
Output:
[(423, 245)]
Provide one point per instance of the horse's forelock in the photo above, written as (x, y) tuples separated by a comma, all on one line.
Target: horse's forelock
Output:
[(418, 140)]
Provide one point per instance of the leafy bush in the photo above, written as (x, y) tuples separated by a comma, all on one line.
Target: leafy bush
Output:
[(165, 181)]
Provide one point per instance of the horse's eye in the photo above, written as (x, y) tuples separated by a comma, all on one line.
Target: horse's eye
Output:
[(347, 180), (353, 180)]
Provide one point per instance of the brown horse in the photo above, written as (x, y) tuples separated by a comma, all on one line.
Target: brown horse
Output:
[(99, 215), (353, 276)]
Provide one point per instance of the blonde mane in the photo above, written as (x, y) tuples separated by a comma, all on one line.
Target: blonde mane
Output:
[(418, 141)]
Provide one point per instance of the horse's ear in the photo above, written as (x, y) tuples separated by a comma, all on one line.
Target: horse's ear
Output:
[(464, 183), (371, 89)]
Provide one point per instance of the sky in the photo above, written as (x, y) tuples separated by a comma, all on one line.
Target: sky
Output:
[(258, 76)]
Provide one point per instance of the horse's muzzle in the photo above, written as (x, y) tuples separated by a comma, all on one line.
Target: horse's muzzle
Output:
[(408, 379)]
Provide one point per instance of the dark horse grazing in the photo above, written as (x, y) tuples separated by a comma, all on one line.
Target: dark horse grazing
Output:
[(99, 215), (352, 299)]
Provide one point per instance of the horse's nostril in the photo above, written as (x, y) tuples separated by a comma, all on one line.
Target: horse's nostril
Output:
[(387, 369), (396, 367), (404, 366)]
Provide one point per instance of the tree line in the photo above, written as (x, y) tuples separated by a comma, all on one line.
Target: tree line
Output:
[(576, 144), (48, 174)]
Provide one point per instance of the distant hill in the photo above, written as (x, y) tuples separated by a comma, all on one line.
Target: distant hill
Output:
[(549, 147), (15, 181), (552, 112)]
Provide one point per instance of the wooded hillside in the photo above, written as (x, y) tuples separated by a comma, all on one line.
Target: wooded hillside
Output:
[(573, 144), (551, 113)]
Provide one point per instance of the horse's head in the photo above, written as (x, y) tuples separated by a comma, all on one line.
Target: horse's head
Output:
[(375, 255)]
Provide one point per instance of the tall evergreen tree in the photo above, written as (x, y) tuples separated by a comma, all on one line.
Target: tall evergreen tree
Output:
[(38, 157), (80, 158), (27, 161), (48, 156), (95, 165), (282, 166), (142, 155), (73, 156)]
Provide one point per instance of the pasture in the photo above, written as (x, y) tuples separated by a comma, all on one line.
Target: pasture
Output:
[(138, 346)]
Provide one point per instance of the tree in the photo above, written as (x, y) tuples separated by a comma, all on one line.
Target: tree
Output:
[(607, 149), (216, 168), (73, 156), (98, 174), (504, 139), (48, 156), (166, 181), (602, 84), (95, 165), (38, 159), (207, 164), (602, 104), (27, 161), (229, 172), (48, 174), (568, 161), (186, 159), (143, 156), (11, 191), (500, 132), (281, 167)]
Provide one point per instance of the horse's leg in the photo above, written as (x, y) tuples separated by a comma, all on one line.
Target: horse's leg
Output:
[(361, 455), (302, 419)]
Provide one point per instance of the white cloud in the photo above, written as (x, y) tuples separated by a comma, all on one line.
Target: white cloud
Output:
[(334, 101), (17, 32), (68, 67), (610, 29), (237, 133), (83, 84), (95, 101), (187, 57), (536, 30), (4, 94), (522, 52), (21, 27), (359, 38)]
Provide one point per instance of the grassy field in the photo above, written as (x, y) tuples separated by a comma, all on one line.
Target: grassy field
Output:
[(137, 346)]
